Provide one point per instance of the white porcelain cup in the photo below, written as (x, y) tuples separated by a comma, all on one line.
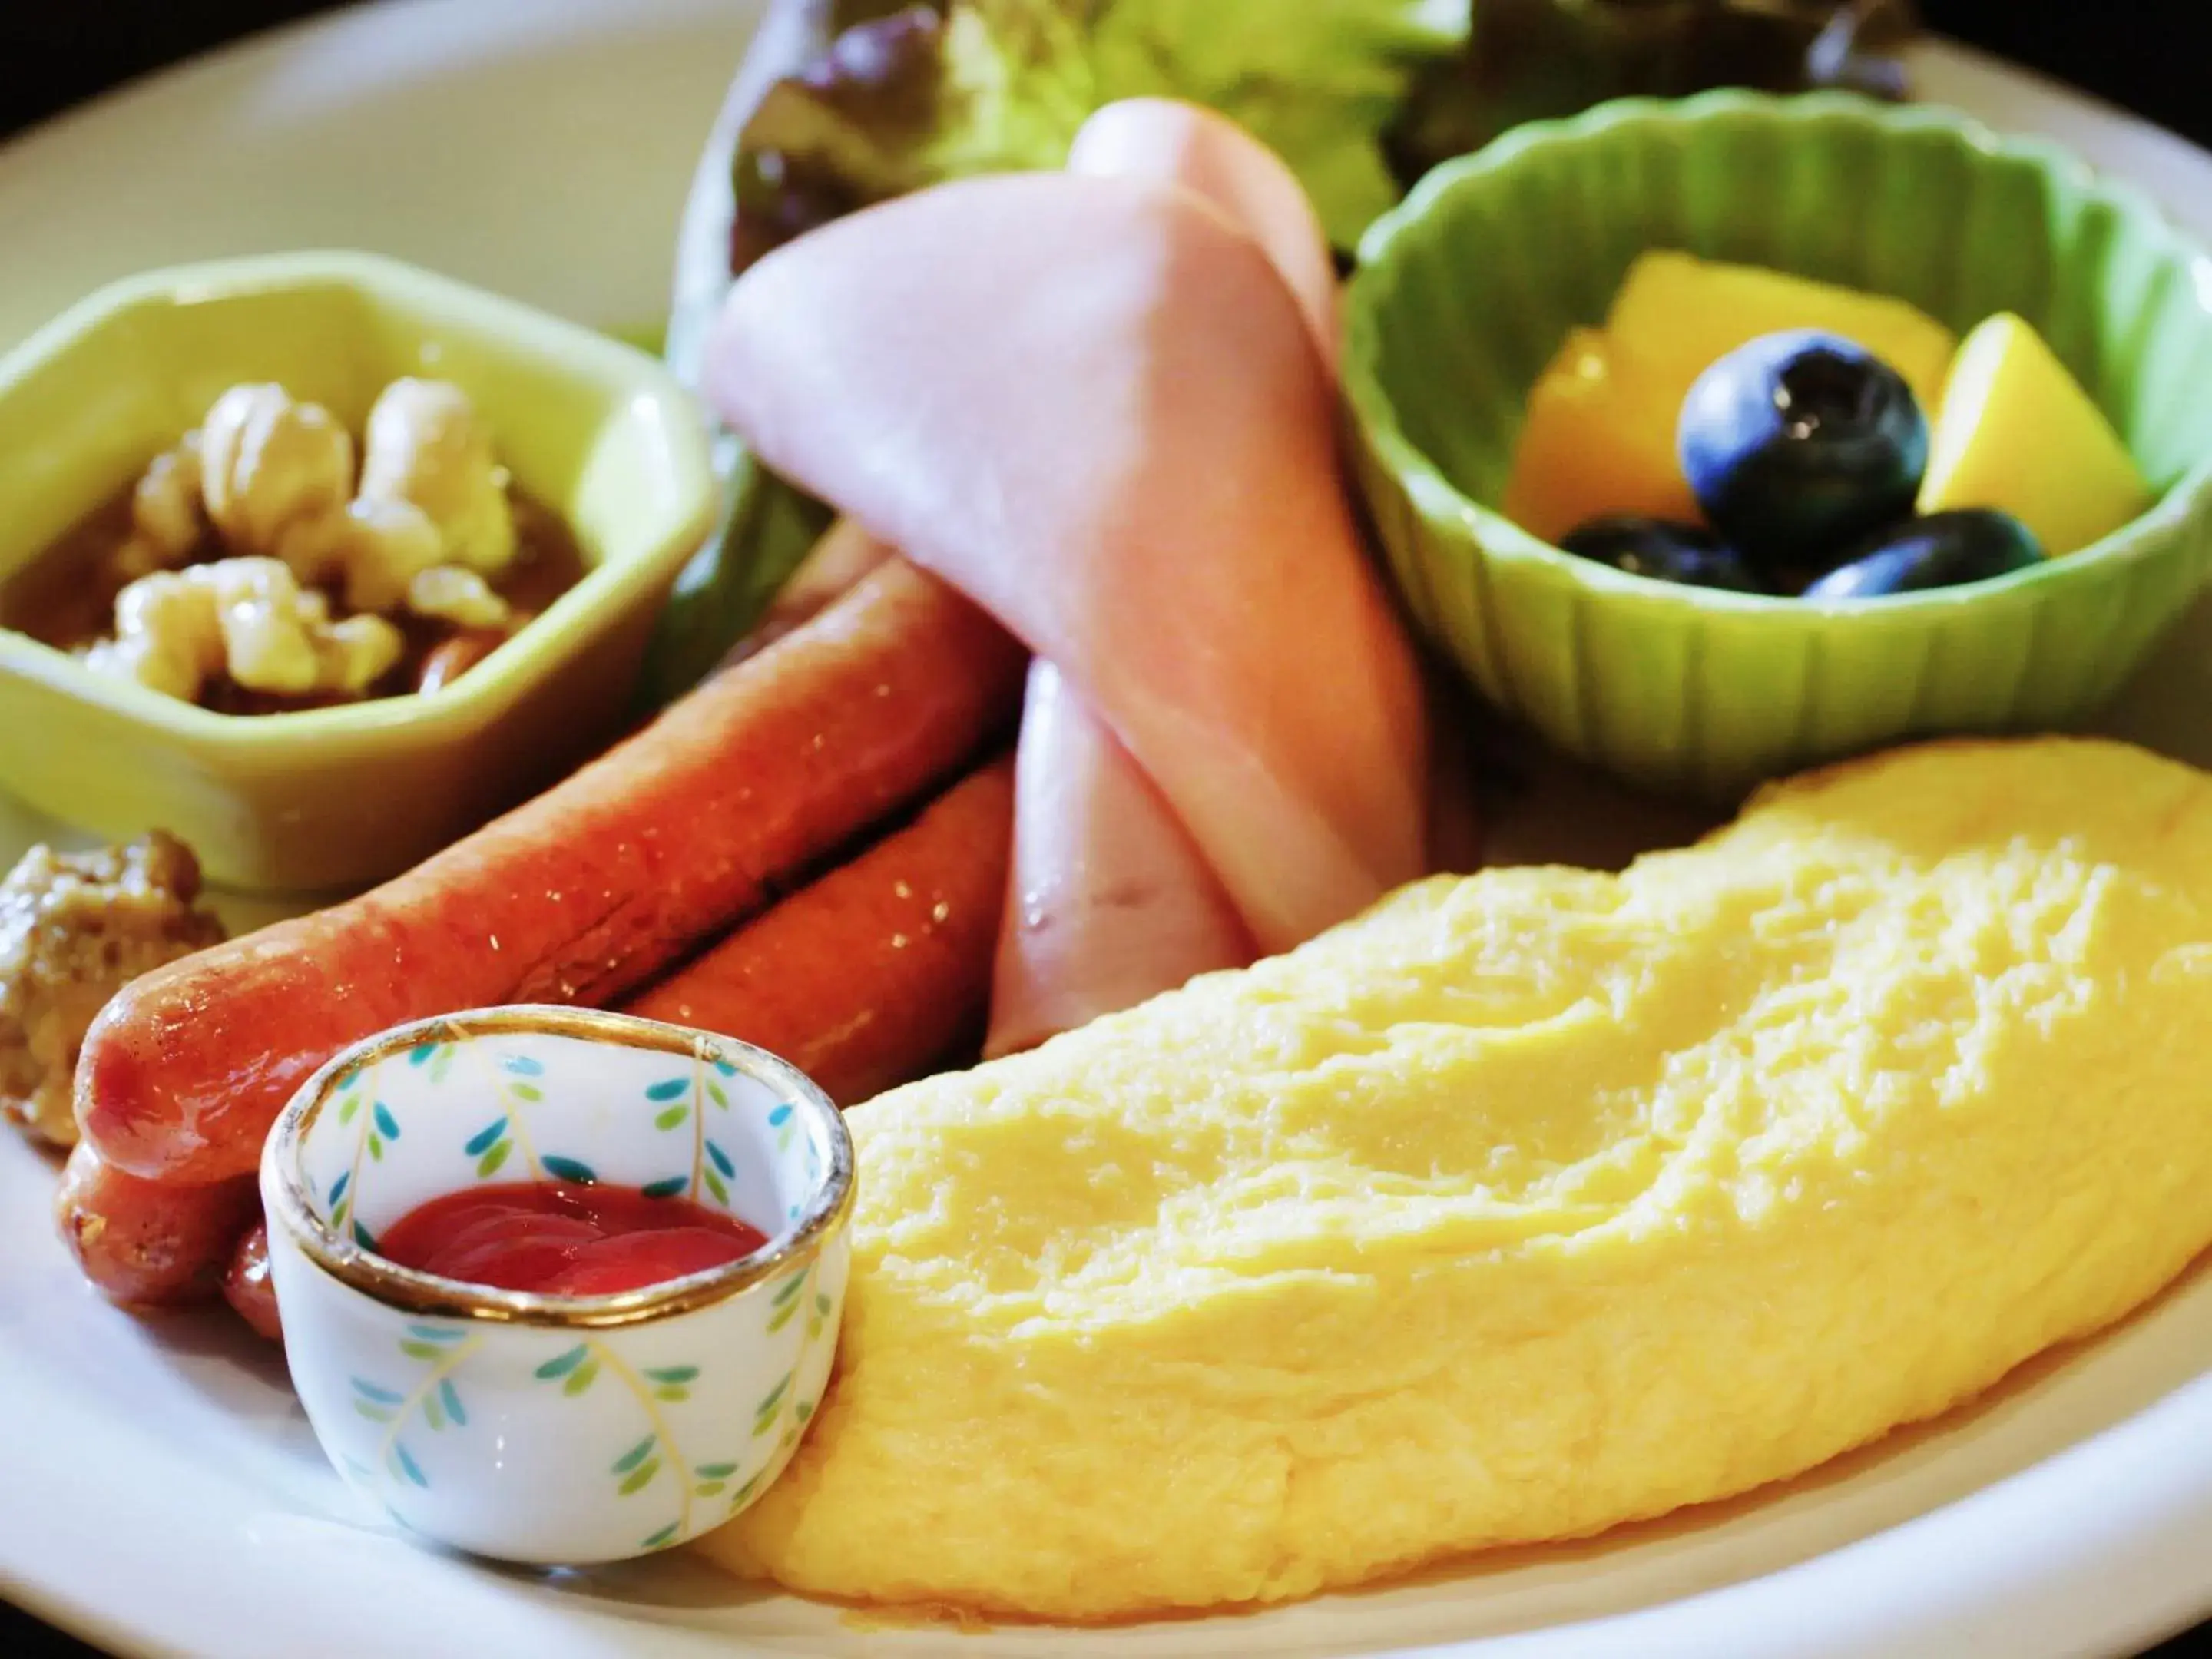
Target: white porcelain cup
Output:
[(544, 1429)]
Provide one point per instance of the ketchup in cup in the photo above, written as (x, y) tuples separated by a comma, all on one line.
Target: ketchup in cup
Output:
[(565, 1237)]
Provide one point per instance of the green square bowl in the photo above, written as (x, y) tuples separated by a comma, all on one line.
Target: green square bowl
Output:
[(1464, 293), (338, 797)]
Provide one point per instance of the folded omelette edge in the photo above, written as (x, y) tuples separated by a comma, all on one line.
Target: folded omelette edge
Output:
[(1528, 1203)]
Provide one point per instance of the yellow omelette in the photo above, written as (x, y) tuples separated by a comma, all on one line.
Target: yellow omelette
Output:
[(1528, 1203)]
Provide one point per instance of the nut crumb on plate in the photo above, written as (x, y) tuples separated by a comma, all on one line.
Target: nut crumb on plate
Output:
[(75, 928)]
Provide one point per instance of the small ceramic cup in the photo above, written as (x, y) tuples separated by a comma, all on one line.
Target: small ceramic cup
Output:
[(543, 1429)]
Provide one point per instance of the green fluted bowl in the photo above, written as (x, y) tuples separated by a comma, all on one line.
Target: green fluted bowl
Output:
[(1465, 292)]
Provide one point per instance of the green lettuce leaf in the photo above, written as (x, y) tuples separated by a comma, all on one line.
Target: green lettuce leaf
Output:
[(898, 97), (1317, 81)]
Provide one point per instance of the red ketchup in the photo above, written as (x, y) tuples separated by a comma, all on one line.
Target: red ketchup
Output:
[(564, 1237)]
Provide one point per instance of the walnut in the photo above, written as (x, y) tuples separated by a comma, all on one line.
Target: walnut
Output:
[(167, 637), (450, 593), (168, 520), (427, 446), (248, 618), (381, 547), (273, 478), (276, 473), (390, 556)]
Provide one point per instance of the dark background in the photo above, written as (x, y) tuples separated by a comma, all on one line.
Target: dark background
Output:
[(54, 53)]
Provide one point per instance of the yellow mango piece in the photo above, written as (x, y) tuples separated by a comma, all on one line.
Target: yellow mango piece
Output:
[(1600, 433), (2016, 432), (1679, 313), (1599, 438)]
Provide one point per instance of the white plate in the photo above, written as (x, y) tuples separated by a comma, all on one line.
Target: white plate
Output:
[(158, 1490)]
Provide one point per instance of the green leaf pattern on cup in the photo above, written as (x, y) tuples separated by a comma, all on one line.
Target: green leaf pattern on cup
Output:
[(356, 1101), (787, 1298), (654, 1463), (429, 1396), (437, 1057), (687, 1103)]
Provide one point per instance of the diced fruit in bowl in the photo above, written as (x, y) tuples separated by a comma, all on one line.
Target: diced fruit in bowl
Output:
[(1798, 444), (1944, 549), (1599, 437), (1566, 233), (1682, 312), (1667, 552), (1794, 461), (2017, 432)]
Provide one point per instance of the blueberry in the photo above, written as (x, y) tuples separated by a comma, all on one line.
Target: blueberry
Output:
[(1666, 552), (1944, 549), (1799, 443)]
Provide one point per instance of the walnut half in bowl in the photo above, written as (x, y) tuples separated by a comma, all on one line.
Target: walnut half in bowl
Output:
[(75, 929), (265, 562)]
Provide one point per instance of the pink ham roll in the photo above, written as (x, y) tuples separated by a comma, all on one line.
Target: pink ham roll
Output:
[(1098, 406)]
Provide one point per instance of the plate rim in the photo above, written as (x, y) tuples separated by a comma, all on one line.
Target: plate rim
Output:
[(2041, 1512)]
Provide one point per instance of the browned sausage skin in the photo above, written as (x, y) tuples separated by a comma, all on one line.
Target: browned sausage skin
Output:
[(879, 968), (247, 1287), (150, 1243), (577, 896)]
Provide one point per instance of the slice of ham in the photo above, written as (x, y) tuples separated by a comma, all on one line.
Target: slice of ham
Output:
[(1208, 154), (1204, 152), (1093, 404), (1110, 901)]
